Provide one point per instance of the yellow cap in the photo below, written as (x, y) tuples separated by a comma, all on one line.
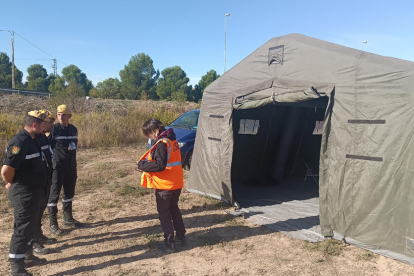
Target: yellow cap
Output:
[(51, 116), (39, 115), (64, 109)]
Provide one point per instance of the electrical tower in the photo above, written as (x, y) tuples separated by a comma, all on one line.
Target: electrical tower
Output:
[(54, 66)]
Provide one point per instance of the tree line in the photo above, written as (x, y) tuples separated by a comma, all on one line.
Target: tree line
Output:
[(139, 80)]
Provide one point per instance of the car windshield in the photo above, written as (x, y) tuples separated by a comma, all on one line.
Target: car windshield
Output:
[(189, 121)]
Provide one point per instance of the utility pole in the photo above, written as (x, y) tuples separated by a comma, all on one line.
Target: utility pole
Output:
[(12, 56), (54, 66)]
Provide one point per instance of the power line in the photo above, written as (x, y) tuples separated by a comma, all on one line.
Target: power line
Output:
[(51, 55), (35, 58), (53, 66)]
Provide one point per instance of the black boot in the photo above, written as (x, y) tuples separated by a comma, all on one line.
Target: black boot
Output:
[(38, 249), (180, 240), (54, 227), (167, 247), (42, 239), (32, 260), (69, 221), (17, 268), (45, 240)]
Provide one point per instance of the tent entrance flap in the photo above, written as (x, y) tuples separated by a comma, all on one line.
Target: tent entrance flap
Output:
[(279, 90), (278, 162)]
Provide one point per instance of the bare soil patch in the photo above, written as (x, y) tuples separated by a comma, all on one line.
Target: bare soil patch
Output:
[(122, 234)]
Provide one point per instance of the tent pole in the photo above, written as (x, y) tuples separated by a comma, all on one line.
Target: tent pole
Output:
[(300, 143)]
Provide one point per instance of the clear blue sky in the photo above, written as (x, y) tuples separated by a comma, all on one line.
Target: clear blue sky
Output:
[(101, 36)]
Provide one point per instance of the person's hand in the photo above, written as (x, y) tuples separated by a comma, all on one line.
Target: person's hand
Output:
[(136, 168), (8, 186)]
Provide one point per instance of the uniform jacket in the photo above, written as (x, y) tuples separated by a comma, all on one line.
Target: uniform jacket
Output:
[(64, 141), (24, 155)]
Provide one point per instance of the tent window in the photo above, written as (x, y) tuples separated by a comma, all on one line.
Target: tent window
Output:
[(276, 55), (249, 126)]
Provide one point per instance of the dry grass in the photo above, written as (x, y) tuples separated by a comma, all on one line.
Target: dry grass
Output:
[(101, 123), (123, 234)]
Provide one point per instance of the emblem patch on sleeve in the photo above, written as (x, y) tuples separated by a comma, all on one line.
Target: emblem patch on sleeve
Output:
[(15, 150)]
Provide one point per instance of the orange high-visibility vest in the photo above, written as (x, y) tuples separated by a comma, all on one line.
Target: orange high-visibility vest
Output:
[(172, 177)]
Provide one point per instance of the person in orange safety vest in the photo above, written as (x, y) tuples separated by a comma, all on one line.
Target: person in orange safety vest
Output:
[(163, 171)]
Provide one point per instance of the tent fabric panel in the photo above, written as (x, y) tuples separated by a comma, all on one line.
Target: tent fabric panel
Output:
[(367, 200), (211, 165)]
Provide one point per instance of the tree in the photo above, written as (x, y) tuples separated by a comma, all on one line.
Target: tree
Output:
[(57, 84), (37, 78), (138, 76), (108, 89), (94, 93), (6, 73), (173, 83), (205, 81), (71, 74), (195, 94), (73, 90)]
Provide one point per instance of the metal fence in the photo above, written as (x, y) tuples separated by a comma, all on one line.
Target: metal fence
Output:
[(24, 92)]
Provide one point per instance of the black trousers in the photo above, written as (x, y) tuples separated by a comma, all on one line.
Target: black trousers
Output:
[(63, 176), (44, 202), (169, 213), (26, 216)]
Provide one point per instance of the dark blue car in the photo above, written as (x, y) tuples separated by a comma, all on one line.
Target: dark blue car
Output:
[(185, 129)]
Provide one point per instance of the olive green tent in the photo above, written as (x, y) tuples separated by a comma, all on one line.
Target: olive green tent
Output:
[(259, 126)]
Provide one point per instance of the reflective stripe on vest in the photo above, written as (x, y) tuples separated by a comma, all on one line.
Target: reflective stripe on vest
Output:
[(34, 155), (66, 137), (169, 148), (178, 163), (44, 147)]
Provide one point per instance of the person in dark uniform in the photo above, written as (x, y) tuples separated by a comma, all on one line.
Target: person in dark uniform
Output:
[(64, 140), (25, 171), (43, 142)]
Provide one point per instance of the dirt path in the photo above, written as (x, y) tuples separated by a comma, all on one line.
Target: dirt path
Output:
[(122, 235)]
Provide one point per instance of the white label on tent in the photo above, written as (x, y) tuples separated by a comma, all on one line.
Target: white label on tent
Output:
[(249, 126), (318, 128)]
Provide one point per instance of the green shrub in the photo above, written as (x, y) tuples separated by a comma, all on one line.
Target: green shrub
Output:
[(329, 247)]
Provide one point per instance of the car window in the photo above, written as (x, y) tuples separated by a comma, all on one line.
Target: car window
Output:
[(188, 120)]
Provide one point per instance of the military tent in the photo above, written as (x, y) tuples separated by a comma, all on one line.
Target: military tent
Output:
[(309, 135)]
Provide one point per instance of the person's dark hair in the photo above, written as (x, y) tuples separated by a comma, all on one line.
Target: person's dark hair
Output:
[(151, 126), (29, 120)]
